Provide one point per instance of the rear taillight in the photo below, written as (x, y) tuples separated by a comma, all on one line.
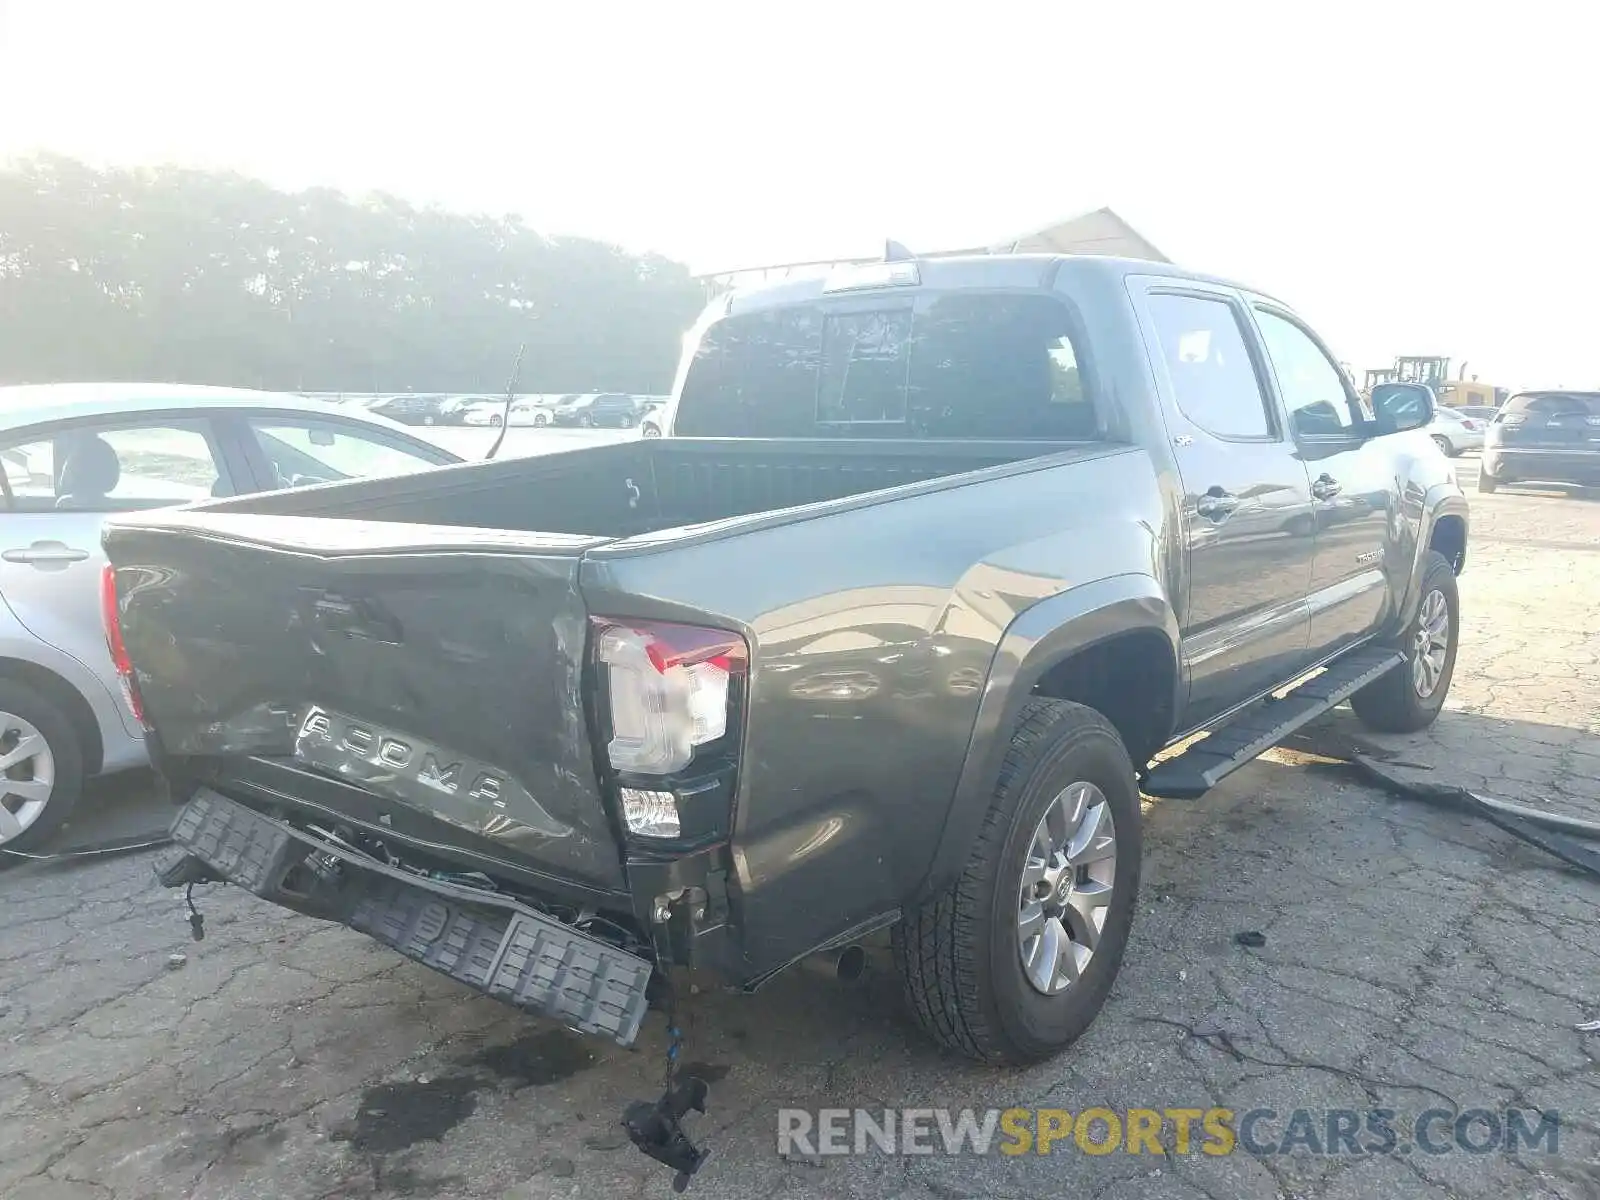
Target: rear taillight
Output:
[(1469, 422), (111, 615), (671, 689)]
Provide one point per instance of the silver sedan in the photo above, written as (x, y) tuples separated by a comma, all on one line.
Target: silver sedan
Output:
[(75, 454), (1454, 433)]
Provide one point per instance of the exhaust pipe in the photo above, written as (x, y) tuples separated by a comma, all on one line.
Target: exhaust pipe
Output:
[(847, 964)]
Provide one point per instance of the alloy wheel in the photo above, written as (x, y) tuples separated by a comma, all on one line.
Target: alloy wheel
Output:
[(27, 776), (1431, 644), (1067, 883)]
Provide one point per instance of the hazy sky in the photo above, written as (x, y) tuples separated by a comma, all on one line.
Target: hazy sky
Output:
[(1414, 179)]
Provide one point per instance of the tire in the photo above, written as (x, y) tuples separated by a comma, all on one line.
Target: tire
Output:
[(24, 826), (1487, 483), (495, 421), (650, 431), (1443, 443), (1395, 703), (539, 419), (959, 955)]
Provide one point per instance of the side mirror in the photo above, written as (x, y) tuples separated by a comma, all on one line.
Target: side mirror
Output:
[(1399, 407)]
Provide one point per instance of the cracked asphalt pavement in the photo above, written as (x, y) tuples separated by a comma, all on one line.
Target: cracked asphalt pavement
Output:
[(1411, 954)]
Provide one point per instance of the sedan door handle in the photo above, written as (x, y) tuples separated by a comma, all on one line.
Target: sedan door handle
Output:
[(1216, 504), (1325, 487), (45, 552)]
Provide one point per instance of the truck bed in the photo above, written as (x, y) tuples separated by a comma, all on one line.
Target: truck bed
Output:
[(631, 488), (409, 654)]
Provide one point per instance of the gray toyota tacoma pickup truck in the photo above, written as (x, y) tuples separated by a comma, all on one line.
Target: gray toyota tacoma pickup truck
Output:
[(891, 631)]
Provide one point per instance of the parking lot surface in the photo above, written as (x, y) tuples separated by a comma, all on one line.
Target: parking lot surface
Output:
[(1413, 958)]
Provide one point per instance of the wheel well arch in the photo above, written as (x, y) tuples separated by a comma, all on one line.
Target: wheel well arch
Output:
[(1449, 538), (1130, 678), (65, 697)]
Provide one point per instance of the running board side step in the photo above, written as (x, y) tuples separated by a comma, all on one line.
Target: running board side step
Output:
[(1263, 725)]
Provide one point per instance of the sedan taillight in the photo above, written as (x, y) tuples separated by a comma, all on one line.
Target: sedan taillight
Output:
[(111, 616)]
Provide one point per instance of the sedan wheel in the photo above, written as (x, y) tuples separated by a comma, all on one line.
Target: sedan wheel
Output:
[(29, 770), (1443, 443), (41, 767)]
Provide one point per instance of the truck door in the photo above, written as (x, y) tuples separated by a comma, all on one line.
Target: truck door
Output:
[(1353, 489), (1247, 512)]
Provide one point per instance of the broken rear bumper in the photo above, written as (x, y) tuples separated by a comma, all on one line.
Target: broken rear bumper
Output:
[(488, 942)]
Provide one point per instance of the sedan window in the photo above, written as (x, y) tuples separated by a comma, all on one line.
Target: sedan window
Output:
[(100, 468), (305, 450)]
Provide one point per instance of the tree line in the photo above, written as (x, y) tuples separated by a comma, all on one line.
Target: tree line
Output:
[(201, 277)]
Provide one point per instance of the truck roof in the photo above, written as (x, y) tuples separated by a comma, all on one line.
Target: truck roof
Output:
[(1021, 271)]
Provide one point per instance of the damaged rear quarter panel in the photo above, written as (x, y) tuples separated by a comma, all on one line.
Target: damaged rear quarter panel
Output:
[(872, 628)]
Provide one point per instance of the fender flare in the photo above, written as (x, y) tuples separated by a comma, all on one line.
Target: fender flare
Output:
[(1041, 636), (1441, 500)]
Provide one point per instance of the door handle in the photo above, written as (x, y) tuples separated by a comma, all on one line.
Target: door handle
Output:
[(45, 552), (1216, 504), (1325, 487)]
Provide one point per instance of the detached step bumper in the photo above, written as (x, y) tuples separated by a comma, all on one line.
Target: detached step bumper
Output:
[(491, 943)]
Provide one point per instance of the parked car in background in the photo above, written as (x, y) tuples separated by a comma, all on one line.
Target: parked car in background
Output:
[(1454, 433), (652, 415), (603, 410), (1544, 437), (409, 408), (475, 410), (74, 454)]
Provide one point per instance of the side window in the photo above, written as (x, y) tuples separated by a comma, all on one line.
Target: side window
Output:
[(1313, 389), (303, 450), (114, 469), (1213, 379)]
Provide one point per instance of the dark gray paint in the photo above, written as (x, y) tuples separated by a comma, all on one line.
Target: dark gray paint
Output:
[(894, 634)]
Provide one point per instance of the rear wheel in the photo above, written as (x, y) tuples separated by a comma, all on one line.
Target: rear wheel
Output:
[(41, 767), (540, 419), (1443, 443), (1409, 697), (1013, 962)]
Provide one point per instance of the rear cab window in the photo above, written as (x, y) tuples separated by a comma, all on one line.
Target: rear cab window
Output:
[(952, 364)]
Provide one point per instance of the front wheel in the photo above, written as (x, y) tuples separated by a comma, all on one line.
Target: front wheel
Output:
[(540, 420), (1014, 961), (41, 767), (1409, 697)]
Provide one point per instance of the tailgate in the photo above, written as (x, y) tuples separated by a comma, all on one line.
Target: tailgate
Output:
[(416, 677)]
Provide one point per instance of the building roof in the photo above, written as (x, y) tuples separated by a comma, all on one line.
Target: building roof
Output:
[(1097, 232)]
